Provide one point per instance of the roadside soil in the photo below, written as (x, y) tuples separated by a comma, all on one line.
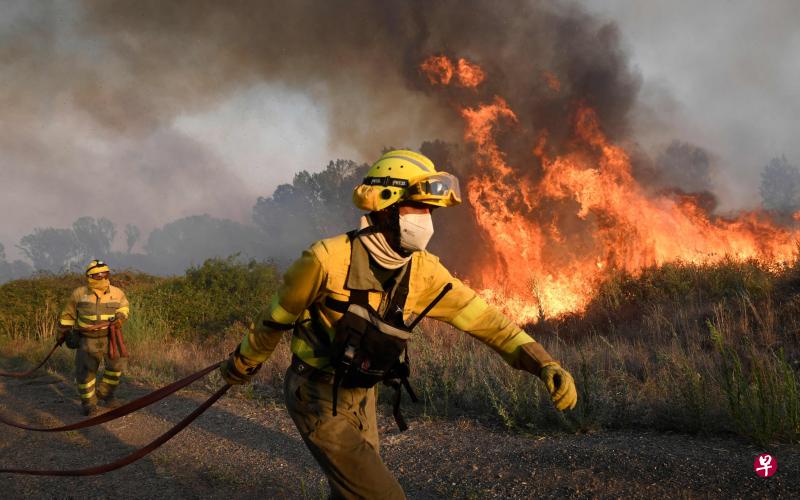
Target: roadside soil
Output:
[(243, 448)]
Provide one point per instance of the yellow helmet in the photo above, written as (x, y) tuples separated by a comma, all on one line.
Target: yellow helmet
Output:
[(403, 175), (97, 266)]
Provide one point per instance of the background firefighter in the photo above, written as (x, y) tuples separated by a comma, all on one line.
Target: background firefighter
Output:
[(93, 317), (386, 262)]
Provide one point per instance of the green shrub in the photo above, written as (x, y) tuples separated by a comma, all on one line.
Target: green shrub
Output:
[(212, 296)]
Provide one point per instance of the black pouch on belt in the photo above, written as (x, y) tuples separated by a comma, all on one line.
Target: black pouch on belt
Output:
[(368, 350), (73, 339)]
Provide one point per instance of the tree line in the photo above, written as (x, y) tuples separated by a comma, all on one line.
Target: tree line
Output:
[(313, 206)]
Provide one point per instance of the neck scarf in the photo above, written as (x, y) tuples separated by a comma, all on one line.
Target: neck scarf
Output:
[(99, 285), (379, 248)]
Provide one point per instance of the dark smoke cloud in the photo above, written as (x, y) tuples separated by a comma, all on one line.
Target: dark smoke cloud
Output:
[(120, 72), (360, 58)]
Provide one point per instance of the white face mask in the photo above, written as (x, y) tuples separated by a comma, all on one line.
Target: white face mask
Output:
[(415, 231)]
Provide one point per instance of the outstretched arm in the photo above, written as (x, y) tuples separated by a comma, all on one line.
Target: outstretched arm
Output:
[(465, 310), (300, 287)]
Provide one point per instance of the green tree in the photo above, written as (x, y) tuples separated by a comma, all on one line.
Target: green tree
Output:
[(12, 270), (94, 236), (313, 206), (51, 249), (192, 240), (132, 235)]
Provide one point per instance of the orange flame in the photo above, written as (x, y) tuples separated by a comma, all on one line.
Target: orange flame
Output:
[(469, 74), (552, 81), (438, 69), (548, 261)]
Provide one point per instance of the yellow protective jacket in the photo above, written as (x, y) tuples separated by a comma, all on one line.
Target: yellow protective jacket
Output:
[(323, 276), (87, 307)]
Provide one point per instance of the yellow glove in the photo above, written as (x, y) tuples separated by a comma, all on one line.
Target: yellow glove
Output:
[(236, 370), (560, 384)]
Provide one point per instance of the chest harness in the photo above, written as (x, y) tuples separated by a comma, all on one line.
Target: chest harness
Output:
[(369, 348)]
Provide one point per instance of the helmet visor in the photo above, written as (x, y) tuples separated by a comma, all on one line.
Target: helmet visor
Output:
[(438, 186)]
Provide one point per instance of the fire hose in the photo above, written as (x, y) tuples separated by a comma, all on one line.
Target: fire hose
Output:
[(31, 371), (120, 412), (116, 348)]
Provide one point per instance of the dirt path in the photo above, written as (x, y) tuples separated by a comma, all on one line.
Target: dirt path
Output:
[(244, 449)]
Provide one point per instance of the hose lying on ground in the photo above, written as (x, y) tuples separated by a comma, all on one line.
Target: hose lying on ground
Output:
[(31, 371), (141, 452), (130, 407)]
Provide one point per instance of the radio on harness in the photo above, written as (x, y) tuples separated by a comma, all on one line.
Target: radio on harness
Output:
[(367, 349)]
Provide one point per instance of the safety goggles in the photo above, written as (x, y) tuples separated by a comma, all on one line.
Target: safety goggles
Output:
[(99, 276), (438, 186)]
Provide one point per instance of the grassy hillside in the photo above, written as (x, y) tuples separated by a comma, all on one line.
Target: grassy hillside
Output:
[(708, 349)]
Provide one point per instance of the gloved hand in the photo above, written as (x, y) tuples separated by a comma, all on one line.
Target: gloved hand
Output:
[(560, 384), (62, 333), (120, 318), (533, 358), (237, 370)]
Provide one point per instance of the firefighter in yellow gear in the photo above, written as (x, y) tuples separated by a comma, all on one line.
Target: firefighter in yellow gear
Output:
[(385, 259), (89, 315)]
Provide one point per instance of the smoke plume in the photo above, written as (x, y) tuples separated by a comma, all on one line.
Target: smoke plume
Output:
[(107, 80)]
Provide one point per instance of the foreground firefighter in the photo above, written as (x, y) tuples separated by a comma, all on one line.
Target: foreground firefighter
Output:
[(91, 322), (347, 299)]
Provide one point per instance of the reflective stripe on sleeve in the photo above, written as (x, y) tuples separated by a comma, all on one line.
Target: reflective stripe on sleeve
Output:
[(470, 313), (520, 338), (246, 350), (281, 315), (66, 322)]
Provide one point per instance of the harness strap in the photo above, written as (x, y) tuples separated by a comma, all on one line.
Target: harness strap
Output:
[(32, 370), (398, 396), (131, 407), (359, 297), (136, 455)]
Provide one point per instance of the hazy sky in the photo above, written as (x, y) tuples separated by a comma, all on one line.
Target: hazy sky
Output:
[(721, 74)]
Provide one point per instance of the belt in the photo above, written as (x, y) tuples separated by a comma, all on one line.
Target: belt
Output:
[(96, 334), (303, 369)]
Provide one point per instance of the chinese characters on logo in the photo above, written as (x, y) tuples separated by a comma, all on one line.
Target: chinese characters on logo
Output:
[(765, 465)]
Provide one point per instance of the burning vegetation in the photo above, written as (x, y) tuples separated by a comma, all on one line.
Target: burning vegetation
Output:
[(561, 218)]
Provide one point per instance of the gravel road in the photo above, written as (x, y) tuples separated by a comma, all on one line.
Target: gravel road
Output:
[(243, 448)]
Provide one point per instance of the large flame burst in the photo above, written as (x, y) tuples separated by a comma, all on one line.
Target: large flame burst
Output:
[(542, 262)]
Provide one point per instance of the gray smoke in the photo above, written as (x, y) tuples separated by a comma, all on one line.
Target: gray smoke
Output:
[(720, 74), (92, 90)]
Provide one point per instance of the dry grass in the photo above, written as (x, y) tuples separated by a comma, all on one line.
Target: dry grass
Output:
[(693, 349)]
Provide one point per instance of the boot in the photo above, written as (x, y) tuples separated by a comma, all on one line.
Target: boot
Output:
[(112, 402), (90, 408), (105, 393)]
